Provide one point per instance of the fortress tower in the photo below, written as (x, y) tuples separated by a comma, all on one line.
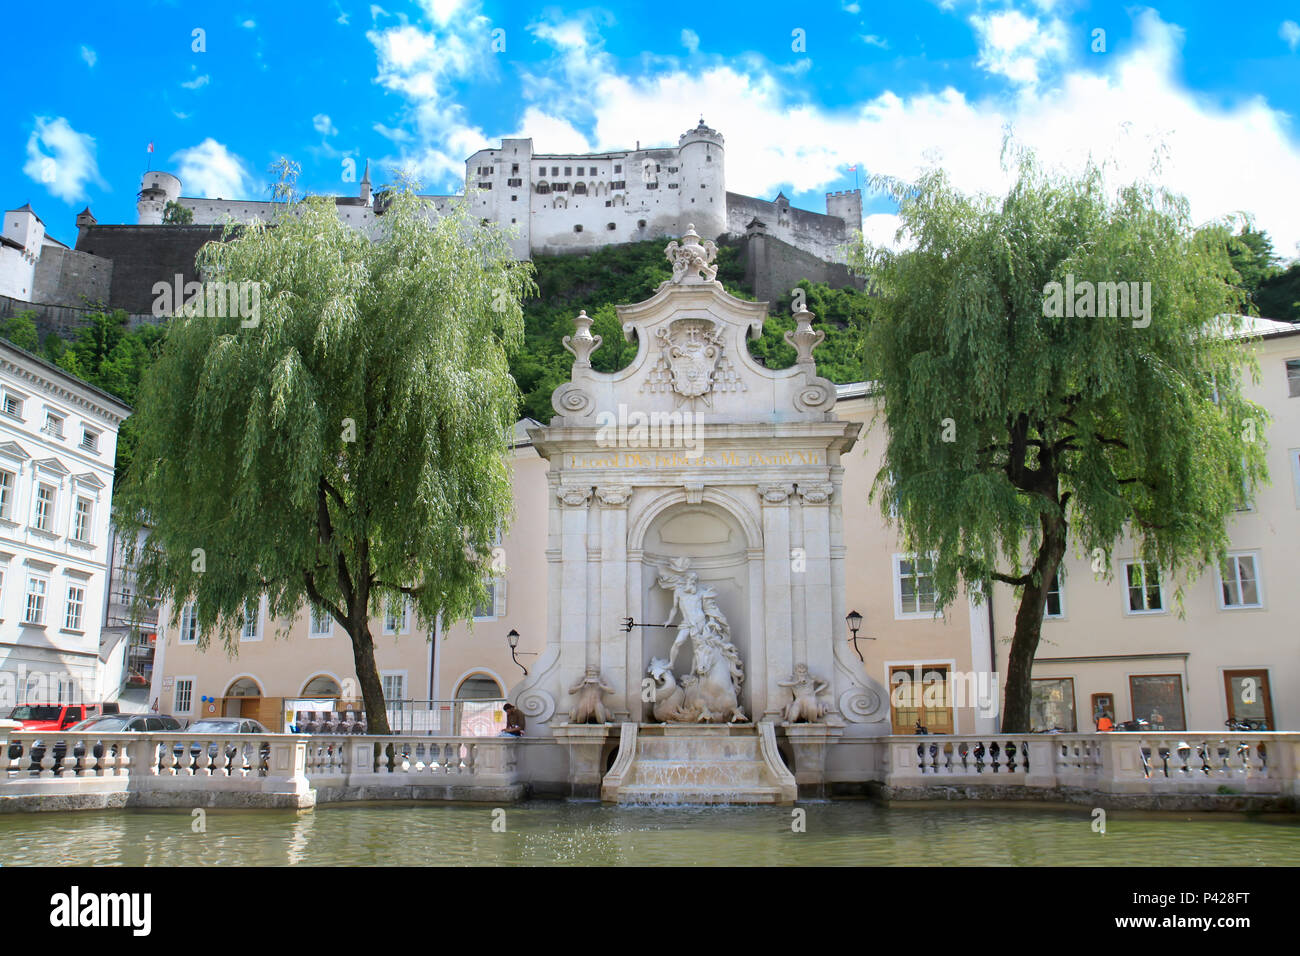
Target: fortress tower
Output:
[(846, 205), (704, 181), (156, 190)]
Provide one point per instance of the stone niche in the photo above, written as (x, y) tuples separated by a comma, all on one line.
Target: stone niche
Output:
[(693, 453)]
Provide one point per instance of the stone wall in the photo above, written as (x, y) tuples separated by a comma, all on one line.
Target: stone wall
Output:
[(144, 255), (773, 267), (69, 277), (62, 320)]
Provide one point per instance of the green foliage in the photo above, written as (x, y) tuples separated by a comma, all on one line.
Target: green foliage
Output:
[(347, 449), (1278, 296), (1078, 429), (174, 214), (20, 329)]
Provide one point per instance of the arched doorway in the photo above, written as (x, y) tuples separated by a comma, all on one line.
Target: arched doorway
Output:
[(242, 698), (478, 706)]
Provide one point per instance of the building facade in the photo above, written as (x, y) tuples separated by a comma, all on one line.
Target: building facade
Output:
[(58, 439)]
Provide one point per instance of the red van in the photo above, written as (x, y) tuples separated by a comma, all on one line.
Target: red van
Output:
[(34, 717)]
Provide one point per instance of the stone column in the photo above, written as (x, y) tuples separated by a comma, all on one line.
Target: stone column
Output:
[(818, 650), (776, 596), (613, 598), (573, 594)]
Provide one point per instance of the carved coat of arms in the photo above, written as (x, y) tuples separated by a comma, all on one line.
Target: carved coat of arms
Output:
[(692, 361)]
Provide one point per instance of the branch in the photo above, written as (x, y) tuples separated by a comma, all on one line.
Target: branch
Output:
[(1110, 441), (413, 591), (1021, 581)]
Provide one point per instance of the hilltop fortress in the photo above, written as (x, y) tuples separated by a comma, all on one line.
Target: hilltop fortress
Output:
[(554, 203)]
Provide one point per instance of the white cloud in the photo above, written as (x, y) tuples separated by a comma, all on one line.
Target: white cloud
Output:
[(442, 11), (1014, 45), (90, 56), (870, 39), (1290, 32), (321, 123), (690, 40), (61, 159), (852, 8), (211, 171), (249, 24), (197, 83)]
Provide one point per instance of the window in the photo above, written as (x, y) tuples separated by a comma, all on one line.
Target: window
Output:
[(1051, 705), (36, 590), (81, 520), (394, 685), (555, 170), (568, 170), (189, 624), (53, 425), (914, 586), (89, 440), (76, 602), (6, 494), (13, 405), (322, 625), (582, 170), (1145, 595), (1158, 699), (578, 228), (249, 630), (1055, 604), (618, 168), (395, 616), (609, 225), (1239, 581), (44, 516), (1293, 377), (183, 696)]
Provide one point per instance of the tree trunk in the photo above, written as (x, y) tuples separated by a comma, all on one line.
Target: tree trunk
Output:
[(372, 688), (1029, 628)]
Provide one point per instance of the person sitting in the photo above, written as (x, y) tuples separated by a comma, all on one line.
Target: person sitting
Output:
[(1105, 723), (514, 722)]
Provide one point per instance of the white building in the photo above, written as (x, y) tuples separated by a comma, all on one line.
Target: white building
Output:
[(58, 440)]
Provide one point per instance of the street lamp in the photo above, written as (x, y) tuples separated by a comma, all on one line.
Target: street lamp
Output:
[(854, 620), (513, 638)]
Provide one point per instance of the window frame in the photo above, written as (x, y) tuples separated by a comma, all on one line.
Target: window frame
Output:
[(1291, 367), (1236, 556), (8, 494), (1060, 598), (189, 681), (43, 579), (189, 615), (48, 525), (1127, 589), (86, 533), (326, 617), (256, 621), (899, 613), (80, 604)]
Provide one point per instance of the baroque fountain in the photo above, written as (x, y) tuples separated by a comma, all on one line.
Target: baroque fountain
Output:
[(695, 562)]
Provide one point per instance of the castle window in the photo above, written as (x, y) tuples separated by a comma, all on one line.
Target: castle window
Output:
[(674, 186), (672, 169), (485, 185), (568, 170), (640, 223), (580, 189), (578, 228), (581, 170), (555, 170), (514, 169), (618, 184), (608, 203), (618, 168), (609, 225), (514, 198), (708, 159), (514, 182)]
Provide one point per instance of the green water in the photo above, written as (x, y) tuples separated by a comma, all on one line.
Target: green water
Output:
[(544, 833)]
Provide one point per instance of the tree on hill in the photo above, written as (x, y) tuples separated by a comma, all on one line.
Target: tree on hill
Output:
[(20, 329), (1015, 430), (346, 445), (174, 214)]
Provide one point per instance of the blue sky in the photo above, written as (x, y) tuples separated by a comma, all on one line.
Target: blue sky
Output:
[(800, 92)]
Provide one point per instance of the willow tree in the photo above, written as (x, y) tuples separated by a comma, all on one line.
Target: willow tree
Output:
[(342, 443), (1027, 409)]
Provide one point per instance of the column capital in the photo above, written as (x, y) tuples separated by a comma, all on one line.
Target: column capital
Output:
[(573, 496), (816, 492), (614, 495), (775, 494)]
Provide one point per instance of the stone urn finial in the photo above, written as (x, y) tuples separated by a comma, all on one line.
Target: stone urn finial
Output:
[(692, 259), (582, 343), (803, 337)]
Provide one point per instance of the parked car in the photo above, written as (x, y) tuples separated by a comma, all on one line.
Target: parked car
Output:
[(104, 723), (57, 716), (229, 726)]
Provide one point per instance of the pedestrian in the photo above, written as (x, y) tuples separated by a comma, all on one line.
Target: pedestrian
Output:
[(514, 722)]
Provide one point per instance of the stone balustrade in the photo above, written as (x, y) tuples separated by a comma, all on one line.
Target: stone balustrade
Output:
[(1133, 765), (40, 770)]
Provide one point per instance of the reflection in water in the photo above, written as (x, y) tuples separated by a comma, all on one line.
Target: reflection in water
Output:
[(548, 833)]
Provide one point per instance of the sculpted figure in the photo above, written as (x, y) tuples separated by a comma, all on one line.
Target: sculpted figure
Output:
[(588, 708), (712, 689), (669, 699), (805, 708)]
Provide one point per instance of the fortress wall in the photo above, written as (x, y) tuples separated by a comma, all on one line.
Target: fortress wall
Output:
[(69, 277), (773, 267), (815, 232), (144, 255)]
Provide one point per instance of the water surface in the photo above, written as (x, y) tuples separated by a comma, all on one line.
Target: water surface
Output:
[(541, 833)]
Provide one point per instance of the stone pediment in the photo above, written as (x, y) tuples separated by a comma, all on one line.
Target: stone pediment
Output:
[(693, 356)]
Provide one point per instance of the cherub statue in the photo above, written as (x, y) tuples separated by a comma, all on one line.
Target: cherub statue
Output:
[(588, 709), (805, 708)]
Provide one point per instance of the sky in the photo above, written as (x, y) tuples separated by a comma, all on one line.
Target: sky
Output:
[(1201, 97)]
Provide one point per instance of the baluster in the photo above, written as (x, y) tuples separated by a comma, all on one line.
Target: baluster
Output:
[(1011, 757), (979, 756), (963, 749), (471, 756), (1223, 770), (203, 765), (1024, 755), (934, 758), (1144, 754), (920, 756), (1163, 750), (1261, 756), (994, 752), (947, 758)]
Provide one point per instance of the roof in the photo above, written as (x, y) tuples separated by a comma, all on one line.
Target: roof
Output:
[(1253, 326), (520, 436), (27, 207), (54, 370)]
